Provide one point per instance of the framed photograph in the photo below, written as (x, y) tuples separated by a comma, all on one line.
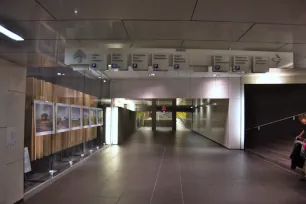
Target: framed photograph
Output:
[(86, 123), (76, 117), (62, 117), (43, 118), (100, 116), (93, 116)]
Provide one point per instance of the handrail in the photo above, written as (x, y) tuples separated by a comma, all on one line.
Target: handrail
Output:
[(276, 121)]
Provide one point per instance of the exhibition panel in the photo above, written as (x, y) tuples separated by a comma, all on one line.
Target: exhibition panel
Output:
[(62, 127)]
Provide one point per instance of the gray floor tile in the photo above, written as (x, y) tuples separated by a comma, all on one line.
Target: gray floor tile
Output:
[(163, 167)]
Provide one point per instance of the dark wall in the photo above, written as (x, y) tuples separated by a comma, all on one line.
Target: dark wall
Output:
[(126, 124), (268, 103)]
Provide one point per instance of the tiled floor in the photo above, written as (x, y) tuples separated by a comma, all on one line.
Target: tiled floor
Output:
[(168, 168)]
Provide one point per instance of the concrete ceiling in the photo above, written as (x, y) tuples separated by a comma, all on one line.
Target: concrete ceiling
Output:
[(261, 25)]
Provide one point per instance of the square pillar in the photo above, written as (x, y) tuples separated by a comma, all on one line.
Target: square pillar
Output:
[(153, 114), (174, 114)]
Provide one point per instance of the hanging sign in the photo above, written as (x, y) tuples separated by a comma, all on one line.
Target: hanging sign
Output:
[(140, 61), (95, 58), (221, 63), (241, 64), (119, 61), (261, 64), (180, 61), (160, 61)]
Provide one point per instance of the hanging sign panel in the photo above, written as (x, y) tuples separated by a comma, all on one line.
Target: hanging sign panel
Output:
[(261, 64), (160, 61), (95, 58), (241, 64), (221, 63), (180, 61), (140, 61), (119, 61)]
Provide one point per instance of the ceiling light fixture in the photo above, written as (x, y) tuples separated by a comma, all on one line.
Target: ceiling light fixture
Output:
[(104, 81), (10, 34), (76, 11), (215, 104), (100, 77), (59, 74), (152, 74)]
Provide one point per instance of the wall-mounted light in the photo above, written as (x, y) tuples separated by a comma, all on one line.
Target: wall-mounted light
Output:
[(10, 34)]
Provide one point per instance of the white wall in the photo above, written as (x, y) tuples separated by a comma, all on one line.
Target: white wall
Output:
[(215, 88), (12, 110)]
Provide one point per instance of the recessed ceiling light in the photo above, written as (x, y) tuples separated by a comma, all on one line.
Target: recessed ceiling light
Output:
[(63, 74), (10, 34), (100, 77), (59, 74), (76, 11), (104, 81)]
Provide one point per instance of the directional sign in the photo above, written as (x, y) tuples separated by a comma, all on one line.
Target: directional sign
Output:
[(180, 61), (261, 64), (221, 63), (241, 64), (160, 61), (119, 61), (140, 61)]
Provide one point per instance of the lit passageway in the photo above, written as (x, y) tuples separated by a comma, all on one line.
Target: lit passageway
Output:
[(177, 168)]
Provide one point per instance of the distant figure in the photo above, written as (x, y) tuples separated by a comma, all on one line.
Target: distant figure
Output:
[(302, 138)]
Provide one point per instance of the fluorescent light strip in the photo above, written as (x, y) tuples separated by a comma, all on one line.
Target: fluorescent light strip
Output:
[(10, 34)]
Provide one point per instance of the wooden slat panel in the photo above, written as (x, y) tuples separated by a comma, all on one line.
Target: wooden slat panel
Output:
[(45, 145)]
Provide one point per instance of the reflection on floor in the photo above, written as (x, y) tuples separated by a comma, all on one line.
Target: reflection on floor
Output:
[(174, 168)]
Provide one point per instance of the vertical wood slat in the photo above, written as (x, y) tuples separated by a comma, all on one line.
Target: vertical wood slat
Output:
[(45, 145)]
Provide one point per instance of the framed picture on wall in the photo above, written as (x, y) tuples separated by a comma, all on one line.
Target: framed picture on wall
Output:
[(43, 118), (76, 117), (86, 122), (62, 117), (100, 116), (93, 116)]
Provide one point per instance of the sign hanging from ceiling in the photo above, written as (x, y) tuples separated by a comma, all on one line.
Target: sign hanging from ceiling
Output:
[(261, 64), (95, 58), (180, 61), (221, 63), (119, 61), (140, 61), (241, 64), (160, 61)]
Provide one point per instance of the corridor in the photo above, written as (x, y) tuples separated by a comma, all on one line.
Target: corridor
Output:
[(174, 168)]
